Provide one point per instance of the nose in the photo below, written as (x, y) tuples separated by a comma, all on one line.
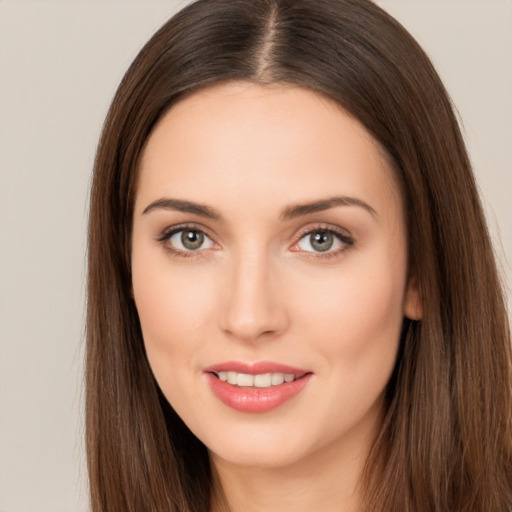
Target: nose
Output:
[(253, 305)]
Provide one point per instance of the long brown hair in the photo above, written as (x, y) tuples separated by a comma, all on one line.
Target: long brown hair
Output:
[(446, 439)]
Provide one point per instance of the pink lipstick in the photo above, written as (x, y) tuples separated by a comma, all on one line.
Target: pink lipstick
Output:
[(257, 387)]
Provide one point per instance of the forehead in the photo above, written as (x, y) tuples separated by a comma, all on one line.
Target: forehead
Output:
[(261, 144)]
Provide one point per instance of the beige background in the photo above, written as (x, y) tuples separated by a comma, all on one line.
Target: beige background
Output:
[(60, 63)]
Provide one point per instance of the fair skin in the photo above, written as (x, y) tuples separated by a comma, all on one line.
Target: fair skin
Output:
[(252, 277)]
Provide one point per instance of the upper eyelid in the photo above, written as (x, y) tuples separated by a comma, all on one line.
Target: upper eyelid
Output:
[(323, 227), (171, 230)]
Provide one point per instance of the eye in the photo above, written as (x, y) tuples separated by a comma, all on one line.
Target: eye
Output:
[(323, 241), (187, 240)]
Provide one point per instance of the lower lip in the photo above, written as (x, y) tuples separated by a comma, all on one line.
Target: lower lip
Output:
[(253, 399)]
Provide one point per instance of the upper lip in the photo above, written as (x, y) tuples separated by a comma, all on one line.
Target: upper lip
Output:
[(255, 368)]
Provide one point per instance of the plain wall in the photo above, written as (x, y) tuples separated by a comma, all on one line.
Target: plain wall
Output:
[(60, 63)]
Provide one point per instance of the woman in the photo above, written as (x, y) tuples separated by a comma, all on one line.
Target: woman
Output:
[(293, 300)]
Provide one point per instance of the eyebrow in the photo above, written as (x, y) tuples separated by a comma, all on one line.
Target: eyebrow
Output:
[(300, 210), (288, 213), (183, 206)]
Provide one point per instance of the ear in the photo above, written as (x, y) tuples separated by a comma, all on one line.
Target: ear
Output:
[(413, 306)]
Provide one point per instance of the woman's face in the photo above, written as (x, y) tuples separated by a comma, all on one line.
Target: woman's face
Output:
[(270, 273)]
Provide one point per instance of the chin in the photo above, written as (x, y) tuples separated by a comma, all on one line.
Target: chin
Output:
[(257, 456), (270, 447)]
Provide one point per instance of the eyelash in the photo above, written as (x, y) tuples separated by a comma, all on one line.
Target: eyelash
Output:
[(340, 235), (167, 234), (346, 240)]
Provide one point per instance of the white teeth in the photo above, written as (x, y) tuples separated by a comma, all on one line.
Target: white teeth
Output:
[(244, 379), (277, 378), (262, 380)]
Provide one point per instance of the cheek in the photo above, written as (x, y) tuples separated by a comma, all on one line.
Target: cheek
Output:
[(170, 302), (357, 319), (173, 302)]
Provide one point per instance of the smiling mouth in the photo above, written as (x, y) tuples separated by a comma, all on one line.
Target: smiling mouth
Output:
[(260, 380), (256, 387)]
